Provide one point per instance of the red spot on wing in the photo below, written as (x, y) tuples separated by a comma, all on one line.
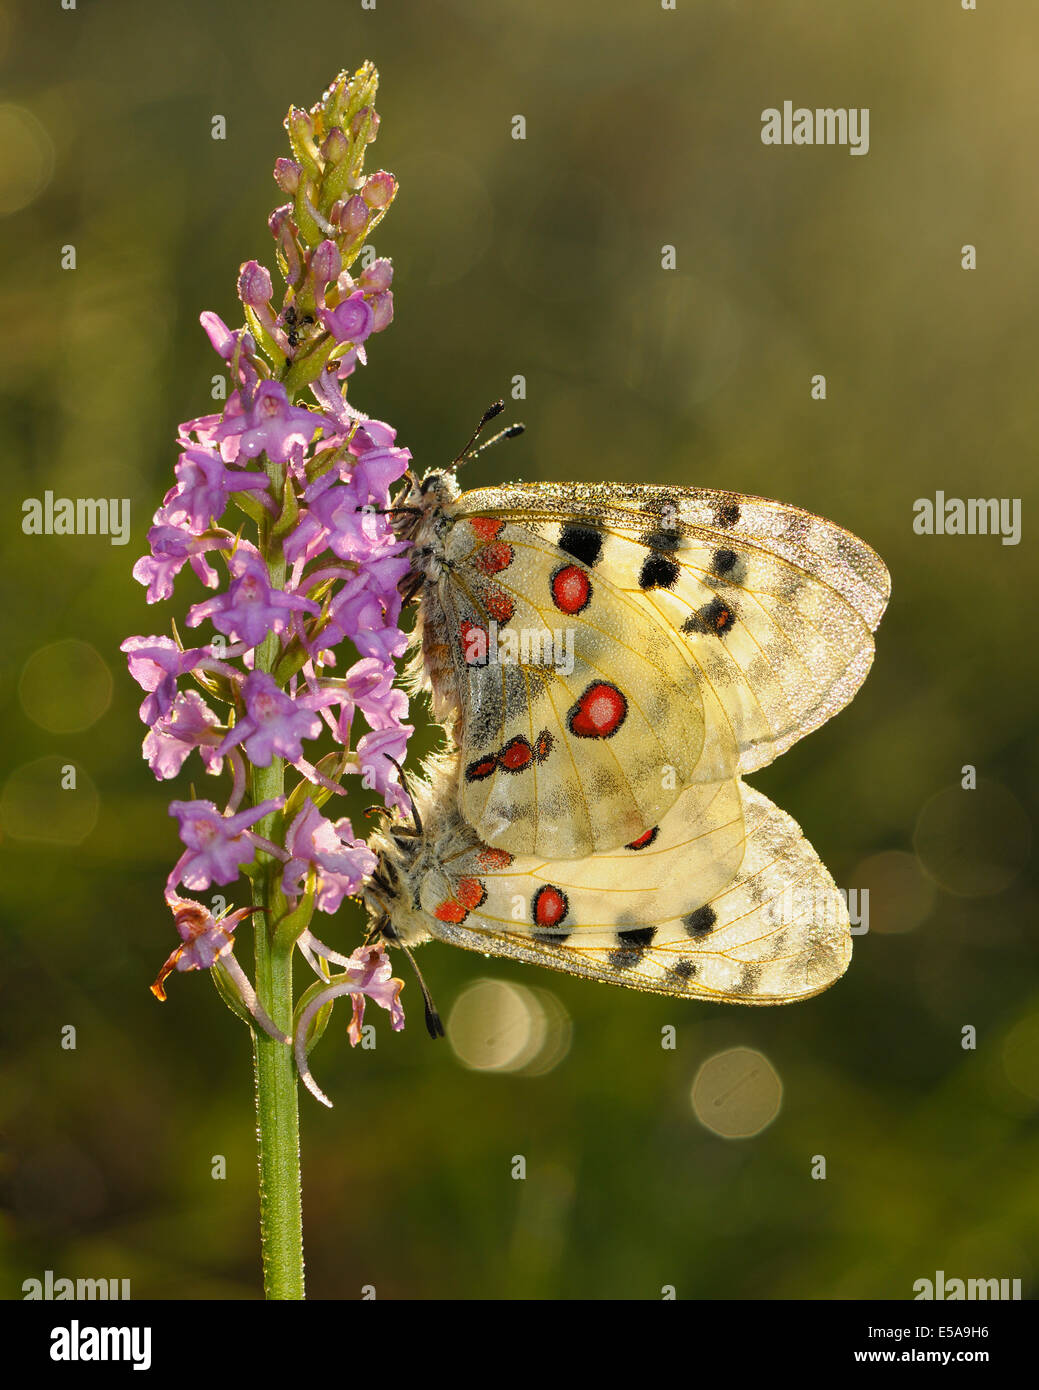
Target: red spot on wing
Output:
[(571, 589), (494, 557), (483, 767), (599, 712), (490, 859), (549, 905), (645, 839), (486, 528), (545, 744), (471, 893), (498, 604), (516, 755), (474, 642), (450, 911)]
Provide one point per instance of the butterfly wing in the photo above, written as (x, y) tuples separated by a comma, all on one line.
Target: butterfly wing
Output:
[(582, 733), (709, 631), (727, 902)]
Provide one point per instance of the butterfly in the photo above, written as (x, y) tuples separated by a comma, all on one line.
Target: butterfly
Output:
[(723, 900), (596, 649)]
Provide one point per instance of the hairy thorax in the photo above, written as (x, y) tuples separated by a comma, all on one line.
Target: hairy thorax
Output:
[(430, 665)]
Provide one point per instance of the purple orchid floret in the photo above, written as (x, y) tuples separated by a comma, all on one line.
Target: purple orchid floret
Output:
[(368, 687), (189, 724), (156, 663), (204, 485), (172, 547), (378, 277), (374, 751), (366, 611), (251, 607), (351, 534), (205, 940), (217, 845), (351, 321), (329, 849), (274, 724), (371, 466), (221, 338), (368, 974), (268, 424), (334, 405)]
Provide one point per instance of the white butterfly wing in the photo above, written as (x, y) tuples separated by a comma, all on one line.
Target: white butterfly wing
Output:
[(734, 907), (721, 627)]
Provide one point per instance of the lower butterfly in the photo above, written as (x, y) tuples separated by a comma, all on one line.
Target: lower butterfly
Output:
[(723, 900)]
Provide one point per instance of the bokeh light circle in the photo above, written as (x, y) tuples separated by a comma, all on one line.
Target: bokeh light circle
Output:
[(28, 161), (901, 895), (35, 806), (737, 1093), (502, 1027), (65, 687), (973, 843), (1021, 1056)]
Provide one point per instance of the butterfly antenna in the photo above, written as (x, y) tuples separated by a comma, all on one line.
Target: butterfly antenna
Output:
[(469, 452), (509, 433), (434, 1025), (485, 419), (404, 783)]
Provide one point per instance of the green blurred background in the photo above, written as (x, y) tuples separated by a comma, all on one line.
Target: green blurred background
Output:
[(542, 258)]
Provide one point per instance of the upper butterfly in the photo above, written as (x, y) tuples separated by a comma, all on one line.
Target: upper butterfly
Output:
[(596, 649)]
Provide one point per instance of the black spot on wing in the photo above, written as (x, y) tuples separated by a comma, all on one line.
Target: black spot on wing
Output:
[(625, 957), (584, 543), (544, 937), (700, 922), (632, 941), (726, 515), (522, 686), (748, 981), (640, 937), (683, 970), (724, 561), (716, 617), (662, 538), (658, 572)]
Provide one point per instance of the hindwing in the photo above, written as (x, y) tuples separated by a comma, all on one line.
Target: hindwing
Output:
[(724, 900)]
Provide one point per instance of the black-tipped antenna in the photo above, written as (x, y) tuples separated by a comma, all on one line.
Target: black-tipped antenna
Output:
[(485, 419), (404, 783), (510, 433), (434, 1026)]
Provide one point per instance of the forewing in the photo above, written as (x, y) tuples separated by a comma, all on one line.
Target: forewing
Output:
[(768, 609), (581, 717)]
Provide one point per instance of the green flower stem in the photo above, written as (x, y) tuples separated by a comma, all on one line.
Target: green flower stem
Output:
[(277, 1107)]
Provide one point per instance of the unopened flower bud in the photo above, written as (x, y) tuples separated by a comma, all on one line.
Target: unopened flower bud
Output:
[(335, 147), (382, 310), (354, 217), (300, 125), (325, 264), (379, 190), (254, 285), (357, 124), (378, 276), (287, 175), (283, 230)]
